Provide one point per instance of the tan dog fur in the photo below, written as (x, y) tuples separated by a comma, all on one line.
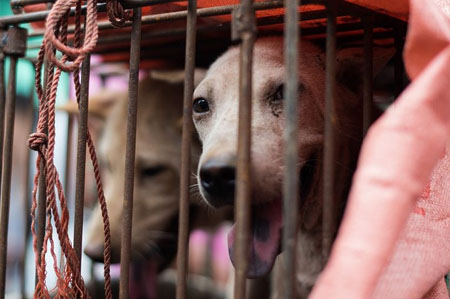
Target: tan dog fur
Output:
[(217, 129), (158, 146)]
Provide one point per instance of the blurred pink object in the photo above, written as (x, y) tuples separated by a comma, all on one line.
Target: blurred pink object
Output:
[(208, 254), (394, 243)]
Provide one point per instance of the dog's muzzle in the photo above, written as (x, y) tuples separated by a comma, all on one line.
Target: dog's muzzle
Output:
[(217, 181)]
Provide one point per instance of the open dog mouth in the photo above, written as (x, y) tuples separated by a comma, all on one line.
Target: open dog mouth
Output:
[(267, 224), (160, 247)]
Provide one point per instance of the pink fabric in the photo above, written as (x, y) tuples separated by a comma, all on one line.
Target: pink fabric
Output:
[(394, 243), (438, 291)]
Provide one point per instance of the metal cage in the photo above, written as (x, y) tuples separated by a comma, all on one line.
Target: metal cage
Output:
[(364, 27)]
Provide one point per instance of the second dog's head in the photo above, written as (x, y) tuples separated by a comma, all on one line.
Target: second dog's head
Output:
[(157, 171)]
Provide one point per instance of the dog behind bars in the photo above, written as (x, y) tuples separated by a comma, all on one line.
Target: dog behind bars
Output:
[(215, 106), (157, 176)]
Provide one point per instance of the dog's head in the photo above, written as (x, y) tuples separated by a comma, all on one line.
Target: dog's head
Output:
[(157, 172), (215, 114)]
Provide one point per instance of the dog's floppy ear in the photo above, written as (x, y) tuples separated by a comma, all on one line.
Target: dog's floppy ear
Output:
[(350, 65), (177, 76), (100, 104)]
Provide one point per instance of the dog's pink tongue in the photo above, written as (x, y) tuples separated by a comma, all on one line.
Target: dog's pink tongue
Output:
[(264, 239)]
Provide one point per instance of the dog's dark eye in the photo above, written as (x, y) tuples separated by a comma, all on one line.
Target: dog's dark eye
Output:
[(200, 105), (278, 96), (151, 171)]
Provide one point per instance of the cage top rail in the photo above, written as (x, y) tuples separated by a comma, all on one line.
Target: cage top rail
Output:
[(312, 18), (126, 3), (179, 15), (30, 17)]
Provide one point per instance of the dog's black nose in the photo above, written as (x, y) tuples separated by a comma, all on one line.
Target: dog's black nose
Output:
[(217, 178)]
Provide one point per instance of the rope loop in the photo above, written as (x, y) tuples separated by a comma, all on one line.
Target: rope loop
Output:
[(52, 43)]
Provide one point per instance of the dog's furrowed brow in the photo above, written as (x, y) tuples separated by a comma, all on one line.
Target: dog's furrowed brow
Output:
[(204, 90)]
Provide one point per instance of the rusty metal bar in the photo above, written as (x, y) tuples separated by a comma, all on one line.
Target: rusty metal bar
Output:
[(141, 3), (14, 47), (201, 12), (27, 197), (2, 128), (329, 217), (68, 174), (183, 224), (246, 28), (42, 184), (291, 180), (81, 158), (19, 3), (368, 73), (179, 15), (7, 167), (39, 16), (135, 53), (2, 110), (221, 27), (126, 3), (69, 145), (398, 60), (48, 70)]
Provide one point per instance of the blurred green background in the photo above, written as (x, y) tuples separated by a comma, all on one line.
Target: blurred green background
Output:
[(25, 71)]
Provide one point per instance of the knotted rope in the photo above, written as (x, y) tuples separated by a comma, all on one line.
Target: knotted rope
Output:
[(70, 283), (116, 14)]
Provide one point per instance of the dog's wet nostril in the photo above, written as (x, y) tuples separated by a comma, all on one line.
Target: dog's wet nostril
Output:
[(228, 174), (217, 177), (218, 180), (206, 176)]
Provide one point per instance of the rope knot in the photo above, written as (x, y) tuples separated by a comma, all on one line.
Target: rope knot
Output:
[(117, 15), (37, 140)]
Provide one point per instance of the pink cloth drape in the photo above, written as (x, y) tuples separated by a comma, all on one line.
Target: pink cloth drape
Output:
[(393, 241)]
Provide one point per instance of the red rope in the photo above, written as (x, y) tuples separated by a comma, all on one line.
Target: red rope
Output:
[(116, 14), (69, 281)]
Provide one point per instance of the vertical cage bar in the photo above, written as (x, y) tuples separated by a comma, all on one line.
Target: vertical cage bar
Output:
[(7, 167), (67, 174), (42, 183), (69, 141), (81, 158), (2, 134), (243, 187), (367, 71), (2, 111), (398, 60), (135, 53), (329, 217), (42, 191), (27, 199), (291, 185), (183, 224)]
